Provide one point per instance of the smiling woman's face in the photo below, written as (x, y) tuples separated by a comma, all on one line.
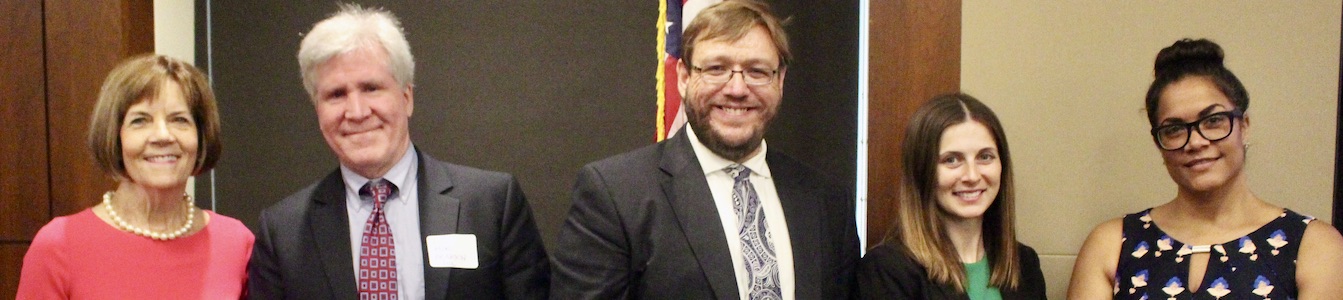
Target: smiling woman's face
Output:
[(1202, 165), (968, 170), (159, 139)]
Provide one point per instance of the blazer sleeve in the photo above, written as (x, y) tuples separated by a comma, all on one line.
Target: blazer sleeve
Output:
[(526, 270), (263, 273), (592, 260), (886, 273), (1032, 279)]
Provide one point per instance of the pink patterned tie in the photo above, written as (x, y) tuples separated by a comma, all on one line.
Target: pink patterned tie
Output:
[(377, 253)]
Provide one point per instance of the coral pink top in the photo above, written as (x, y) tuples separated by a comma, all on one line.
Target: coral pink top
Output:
[(81, 257)]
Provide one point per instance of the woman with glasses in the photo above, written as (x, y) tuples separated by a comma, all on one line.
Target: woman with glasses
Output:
[(1216, 239)]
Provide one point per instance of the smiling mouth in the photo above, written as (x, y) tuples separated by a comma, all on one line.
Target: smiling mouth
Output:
[(358, 132), (969, 195), (734, 111), (1202, 162), (171, 158)]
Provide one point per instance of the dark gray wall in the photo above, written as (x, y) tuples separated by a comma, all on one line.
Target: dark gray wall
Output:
[(533, 88)]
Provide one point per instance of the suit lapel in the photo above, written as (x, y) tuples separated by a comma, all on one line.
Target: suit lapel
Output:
[(801, 209), (438, 215), (331, 231), (692, 203)]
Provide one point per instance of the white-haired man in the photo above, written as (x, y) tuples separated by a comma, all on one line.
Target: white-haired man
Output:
[(390, 222)]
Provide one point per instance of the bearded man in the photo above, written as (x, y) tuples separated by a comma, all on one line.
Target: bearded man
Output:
[(713, 212)]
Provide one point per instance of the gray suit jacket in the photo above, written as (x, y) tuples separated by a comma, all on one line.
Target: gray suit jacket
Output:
[(303, 243), (643, 225)]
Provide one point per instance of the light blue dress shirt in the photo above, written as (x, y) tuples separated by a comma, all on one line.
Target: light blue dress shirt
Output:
[(403, 216)]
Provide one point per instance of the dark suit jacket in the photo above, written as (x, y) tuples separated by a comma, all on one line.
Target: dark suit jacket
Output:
[(644, 226), (888, 272), (303, 243)]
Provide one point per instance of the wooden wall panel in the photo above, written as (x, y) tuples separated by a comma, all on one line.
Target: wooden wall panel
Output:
[(11, 256), (915, 51), (85, 39), (23, 171), (56, 55)]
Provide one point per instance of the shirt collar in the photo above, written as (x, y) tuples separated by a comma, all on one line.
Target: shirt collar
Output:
[(398, 175), (712, 162)]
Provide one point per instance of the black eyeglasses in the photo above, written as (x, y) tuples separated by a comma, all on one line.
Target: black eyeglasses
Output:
[(719, 74), (1213, 127)]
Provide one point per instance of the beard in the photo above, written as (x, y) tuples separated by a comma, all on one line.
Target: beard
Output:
[(697, 118)]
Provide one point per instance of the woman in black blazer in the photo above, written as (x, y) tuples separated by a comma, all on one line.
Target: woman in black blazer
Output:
[(955, 237)]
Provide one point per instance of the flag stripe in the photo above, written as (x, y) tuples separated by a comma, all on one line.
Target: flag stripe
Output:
[(669, 54)]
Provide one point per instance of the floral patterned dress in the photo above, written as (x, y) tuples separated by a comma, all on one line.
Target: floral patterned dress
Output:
[(1260, 265)]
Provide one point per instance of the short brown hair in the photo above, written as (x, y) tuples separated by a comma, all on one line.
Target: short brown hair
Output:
[(731, 20), (137, 79)]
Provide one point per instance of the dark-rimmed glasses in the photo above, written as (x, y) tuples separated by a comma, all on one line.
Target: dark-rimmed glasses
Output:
[(1213, 127), (721, 74)]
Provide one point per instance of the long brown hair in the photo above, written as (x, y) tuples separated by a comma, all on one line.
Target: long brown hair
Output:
[(920, 220)]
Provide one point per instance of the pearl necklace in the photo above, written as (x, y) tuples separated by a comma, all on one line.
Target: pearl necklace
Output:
[(191, 218)]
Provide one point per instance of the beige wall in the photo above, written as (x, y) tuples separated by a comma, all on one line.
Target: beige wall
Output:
[(175, 28), (1068, 81)]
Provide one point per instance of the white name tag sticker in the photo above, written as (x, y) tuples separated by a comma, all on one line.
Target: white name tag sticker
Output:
[(452, 251)]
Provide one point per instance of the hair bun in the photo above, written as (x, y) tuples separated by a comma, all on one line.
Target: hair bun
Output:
[(1189, 53)]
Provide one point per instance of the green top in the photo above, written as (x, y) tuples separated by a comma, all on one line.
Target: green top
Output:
[(977, 274)]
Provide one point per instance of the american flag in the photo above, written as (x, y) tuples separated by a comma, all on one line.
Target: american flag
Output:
[(672, 16)]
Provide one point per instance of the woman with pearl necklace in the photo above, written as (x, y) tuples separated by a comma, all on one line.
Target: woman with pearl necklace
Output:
[(154, 126)]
